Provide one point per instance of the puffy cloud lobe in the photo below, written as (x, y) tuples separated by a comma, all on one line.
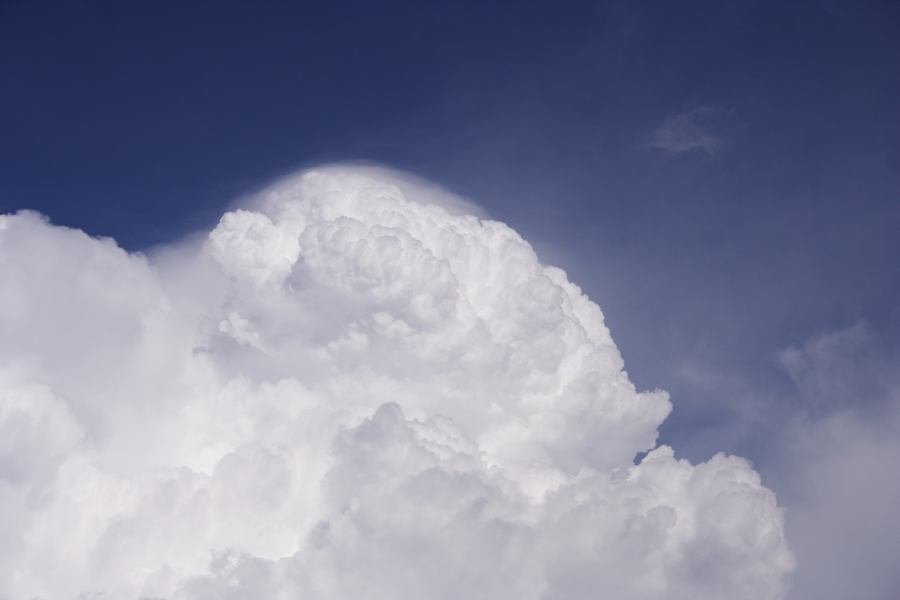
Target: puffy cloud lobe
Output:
[(350, 388)]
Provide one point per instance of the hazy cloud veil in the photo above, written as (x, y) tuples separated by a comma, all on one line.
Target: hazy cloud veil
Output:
[(348, 389)]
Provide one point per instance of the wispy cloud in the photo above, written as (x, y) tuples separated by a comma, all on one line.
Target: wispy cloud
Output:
[(836, 465), (700, 128), (837, 370)]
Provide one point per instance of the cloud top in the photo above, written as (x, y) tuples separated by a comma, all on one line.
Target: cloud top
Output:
[(350, 388)]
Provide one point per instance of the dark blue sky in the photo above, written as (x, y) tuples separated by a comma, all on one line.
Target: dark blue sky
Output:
[(769, 215)]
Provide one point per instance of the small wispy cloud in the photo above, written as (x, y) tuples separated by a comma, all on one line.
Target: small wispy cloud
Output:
[(700, 128)]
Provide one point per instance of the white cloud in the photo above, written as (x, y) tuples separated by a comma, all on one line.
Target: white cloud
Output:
[(697, 129), (349, 389)]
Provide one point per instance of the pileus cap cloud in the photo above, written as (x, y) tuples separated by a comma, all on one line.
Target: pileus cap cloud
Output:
[(350, 388)]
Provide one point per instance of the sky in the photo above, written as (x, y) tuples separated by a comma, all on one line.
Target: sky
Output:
[(722, 178)]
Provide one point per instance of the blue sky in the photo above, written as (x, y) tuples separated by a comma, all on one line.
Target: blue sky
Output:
[(141, 121), (723, 178)]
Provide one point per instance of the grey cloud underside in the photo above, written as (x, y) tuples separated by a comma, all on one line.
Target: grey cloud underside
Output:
[(348, 389)]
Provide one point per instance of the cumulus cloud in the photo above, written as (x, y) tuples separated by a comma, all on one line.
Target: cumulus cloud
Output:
[(697, 129), (349, 388)]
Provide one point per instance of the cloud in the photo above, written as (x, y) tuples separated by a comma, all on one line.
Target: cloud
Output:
[(349, 388), (838, 370), (697, 129), (842, 507), (825, 435), (838, 465)]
